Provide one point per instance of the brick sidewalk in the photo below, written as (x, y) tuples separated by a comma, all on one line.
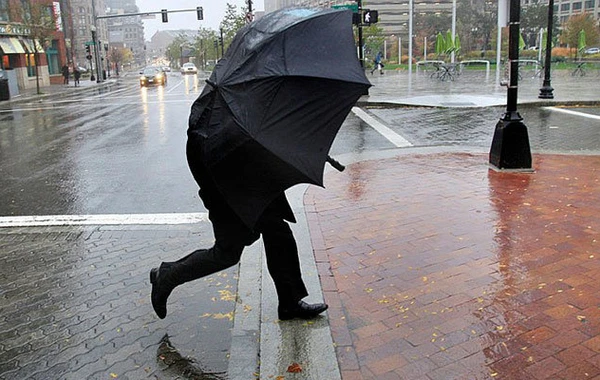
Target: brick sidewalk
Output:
[(436, 267)]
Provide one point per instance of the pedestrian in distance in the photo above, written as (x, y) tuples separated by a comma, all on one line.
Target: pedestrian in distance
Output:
[(231, 236), (76, 75), (378, 63), (65, 74)]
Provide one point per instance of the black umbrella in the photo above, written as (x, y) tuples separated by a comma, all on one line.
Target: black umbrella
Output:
[(275, 102)]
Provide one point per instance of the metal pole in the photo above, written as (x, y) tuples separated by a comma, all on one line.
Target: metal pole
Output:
[(513, 56), (501, 23), (546, 92), (95, 40), (453, 27), (410, 34), (399, 50), (510, 145), (361, 53), (222, 43)]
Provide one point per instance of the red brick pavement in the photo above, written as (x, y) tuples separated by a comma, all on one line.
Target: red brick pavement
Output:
[(436, 267)]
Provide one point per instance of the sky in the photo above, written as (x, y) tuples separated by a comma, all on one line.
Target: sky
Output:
[(214, 11)]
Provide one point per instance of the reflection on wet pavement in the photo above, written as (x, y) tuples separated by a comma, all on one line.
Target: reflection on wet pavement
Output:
[(446, 269), (176, 365)]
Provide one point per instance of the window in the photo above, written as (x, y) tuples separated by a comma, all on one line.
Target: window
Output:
[(30, 62), (577, 6), (3, 10), (565, 7), (589, 4)]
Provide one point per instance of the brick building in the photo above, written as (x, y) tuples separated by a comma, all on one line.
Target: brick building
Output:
[(27, 42)]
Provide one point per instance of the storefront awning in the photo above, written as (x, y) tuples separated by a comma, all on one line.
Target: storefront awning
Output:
[(11, 45), (30, 47)]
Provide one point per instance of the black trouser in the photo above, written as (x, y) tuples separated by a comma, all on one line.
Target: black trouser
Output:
[(232, 235)]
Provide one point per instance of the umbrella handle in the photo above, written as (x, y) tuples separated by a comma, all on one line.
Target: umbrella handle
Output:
[(335, 164)]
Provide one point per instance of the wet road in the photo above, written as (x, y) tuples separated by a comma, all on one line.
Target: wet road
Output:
[(123, 151)]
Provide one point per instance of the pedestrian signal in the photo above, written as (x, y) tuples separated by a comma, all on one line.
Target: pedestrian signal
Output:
[(370, 16), (165, 17)]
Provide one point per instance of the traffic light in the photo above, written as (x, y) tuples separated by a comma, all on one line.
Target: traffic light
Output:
[(216, 44), (165, 17), (370, 16), (200, 13), (88, 52)]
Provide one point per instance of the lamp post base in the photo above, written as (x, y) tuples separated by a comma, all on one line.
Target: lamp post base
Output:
[(510, 145), (546, 92)]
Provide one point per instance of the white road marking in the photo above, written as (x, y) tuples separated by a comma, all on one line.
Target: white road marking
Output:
[(106, 219), (177, 85), (575, 113), (386, 132)]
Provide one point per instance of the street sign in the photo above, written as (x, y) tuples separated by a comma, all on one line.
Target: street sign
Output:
[(352, 7), (89, 43)]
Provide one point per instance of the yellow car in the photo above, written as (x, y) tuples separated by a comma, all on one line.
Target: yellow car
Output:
[(153, 75)]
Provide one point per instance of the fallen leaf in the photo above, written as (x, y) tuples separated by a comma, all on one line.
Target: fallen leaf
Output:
[(113, 375), (295, 368)]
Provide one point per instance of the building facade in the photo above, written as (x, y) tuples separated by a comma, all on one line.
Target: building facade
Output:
[(83, 22), (126, 31), (32, 47), (567, 8), (393, 14)]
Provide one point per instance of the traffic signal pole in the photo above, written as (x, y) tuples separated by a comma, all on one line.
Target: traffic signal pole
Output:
[(361, 53)]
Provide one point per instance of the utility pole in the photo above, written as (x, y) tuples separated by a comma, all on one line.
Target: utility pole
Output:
[(95, 40), (510, 145), (361, 53)]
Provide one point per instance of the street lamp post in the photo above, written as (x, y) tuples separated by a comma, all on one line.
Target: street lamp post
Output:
[(510, 145), (546, 90), (94, 28)]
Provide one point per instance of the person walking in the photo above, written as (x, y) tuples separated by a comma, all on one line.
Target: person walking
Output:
[(232, 235), (76, 75), (65, 74), (378, 63)]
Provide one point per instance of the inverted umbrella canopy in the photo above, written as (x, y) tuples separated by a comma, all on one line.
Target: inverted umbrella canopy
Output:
[(275, 102)]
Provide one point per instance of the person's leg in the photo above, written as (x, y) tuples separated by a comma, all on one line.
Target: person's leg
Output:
[(284, 267), (231, 236), (282, 262)]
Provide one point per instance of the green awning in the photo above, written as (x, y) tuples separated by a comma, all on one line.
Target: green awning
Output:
[(11, 45)]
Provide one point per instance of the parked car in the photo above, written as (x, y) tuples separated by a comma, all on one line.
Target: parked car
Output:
[(593, 50), (153, 75), (189, 68)]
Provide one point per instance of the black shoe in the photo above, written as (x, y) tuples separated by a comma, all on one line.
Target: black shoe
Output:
[(160, 292), (301, 310)]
